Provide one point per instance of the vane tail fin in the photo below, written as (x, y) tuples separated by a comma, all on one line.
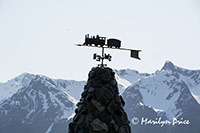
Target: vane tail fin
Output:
[(135, 54)]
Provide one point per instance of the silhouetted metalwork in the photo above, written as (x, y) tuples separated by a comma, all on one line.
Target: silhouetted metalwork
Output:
[(97, 41), (113, 43), (101, 42)]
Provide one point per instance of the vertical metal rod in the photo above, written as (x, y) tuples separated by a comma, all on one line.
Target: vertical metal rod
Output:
[(102, 58)]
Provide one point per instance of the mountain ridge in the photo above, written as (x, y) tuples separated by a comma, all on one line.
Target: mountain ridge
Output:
[(170, 92), (39, 104)]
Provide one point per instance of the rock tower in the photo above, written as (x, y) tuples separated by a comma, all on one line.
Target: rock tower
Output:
[(100, 109)]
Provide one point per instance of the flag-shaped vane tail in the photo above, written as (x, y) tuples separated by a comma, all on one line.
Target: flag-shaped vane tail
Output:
[(135, 54)]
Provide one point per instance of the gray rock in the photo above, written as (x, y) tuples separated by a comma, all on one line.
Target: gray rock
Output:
[(101, 107), (98, 105), (91, 89), (98, 125), (114, 125)]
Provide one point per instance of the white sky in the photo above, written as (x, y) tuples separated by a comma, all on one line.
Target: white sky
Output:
[(38, 36)]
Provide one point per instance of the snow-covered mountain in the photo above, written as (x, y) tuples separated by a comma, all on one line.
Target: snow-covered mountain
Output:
[(168, 93), (35, 104), (130, 75), (126, 77), (31, 101), (72, 87), (190, 77), (12, 86)]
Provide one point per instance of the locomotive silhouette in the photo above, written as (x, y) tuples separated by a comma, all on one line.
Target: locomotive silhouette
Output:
[(101, 41)]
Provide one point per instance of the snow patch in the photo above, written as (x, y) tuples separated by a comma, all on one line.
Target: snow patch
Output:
[(49, 129)]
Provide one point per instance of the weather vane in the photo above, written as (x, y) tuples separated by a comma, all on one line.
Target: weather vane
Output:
[(102, 42)]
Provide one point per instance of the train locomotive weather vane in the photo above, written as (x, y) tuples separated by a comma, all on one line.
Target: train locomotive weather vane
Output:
[(103, 43)]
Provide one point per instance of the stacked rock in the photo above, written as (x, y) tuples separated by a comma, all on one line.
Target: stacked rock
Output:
[(100, 109)]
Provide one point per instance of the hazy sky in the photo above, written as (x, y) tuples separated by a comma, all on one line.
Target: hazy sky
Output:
[(38, 36)]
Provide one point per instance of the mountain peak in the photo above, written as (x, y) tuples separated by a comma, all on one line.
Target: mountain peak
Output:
[(168, 66), (24, 75)]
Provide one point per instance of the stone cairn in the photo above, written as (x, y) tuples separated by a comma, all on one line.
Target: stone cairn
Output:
[(100, 109)]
